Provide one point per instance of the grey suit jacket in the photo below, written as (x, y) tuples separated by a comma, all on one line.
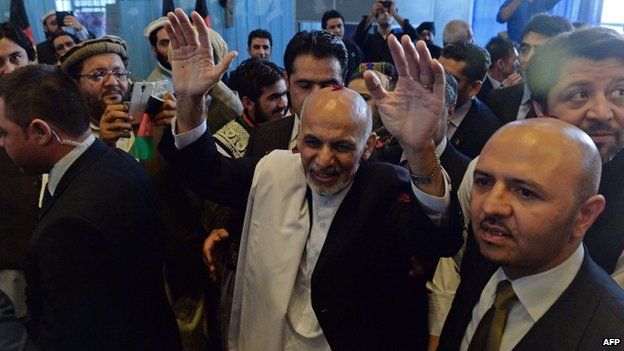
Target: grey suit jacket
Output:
[(590, 310)]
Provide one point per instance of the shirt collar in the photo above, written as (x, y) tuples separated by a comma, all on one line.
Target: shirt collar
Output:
[(295, 130), (64, 163), (495, 84), (439, 149), (538, 292)]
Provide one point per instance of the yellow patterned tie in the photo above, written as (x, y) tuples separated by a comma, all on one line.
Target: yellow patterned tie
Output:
[(489, 333)]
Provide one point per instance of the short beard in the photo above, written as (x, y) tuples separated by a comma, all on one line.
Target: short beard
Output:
[(95, 106), (331, 189), (162, 59)]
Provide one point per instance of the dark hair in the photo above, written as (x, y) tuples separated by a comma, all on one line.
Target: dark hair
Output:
[(318, 43), (499, 49), (251, 76), (477, 59), (46, 92), (547, 25), (153, 36), (15, 34), (60, 33), (259, 33), (544, 69), (329, 15)]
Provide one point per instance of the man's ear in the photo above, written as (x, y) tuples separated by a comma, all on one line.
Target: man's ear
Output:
[(475, 87), (40, 131), (370, 146), (248, 104), (500, 64), (587, 213)]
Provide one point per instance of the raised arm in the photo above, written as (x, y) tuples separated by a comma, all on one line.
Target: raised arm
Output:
[(412, 111), (507, 10), (193, 67)]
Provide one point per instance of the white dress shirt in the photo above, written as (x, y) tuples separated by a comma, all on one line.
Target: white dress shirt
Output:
[(536, 294), (495, 84)]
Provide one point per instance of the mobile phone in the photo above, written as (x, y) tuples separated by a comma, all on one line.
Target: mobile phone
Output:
[(386, 4), (60, 17), (140, 95)]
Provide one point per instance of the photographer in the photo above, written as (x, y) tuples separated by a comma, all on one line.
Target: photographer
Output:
[(375, 46), (67, 22)]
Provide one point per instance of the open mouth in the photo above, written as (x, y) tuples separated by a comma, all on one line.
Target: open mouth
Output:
[(493, 233), (324, 177)]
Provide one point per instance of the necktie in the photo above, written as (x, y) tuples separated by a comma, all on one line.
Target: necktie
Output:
[(489, 332)]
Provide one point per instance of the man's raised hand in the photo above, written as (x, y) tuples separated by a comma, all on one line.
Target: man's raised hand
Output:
[(412, 111), (193, 67)]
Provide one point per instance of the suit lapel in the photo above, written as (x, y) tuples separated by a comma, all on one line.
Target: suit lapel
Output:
[(577, 305), (83, 162)]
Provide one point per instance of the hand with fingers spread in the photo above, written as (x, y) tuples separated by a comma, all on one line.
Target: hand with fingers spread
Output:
[(193, 67), (411, 112), (115, 124), (212, 250)]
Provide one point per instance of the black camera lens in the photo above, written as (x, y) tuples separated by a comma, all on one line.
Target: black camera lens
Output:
[(386, 4)]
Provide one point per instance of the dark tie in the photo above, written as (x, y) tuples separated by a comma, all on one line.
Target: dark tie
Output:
[(489, 333)]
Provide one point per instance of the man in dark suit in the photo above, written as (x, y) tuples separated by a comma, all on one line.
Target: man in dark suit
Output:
[(319, 283), (504, 64), (334, 23), (94, 267), (471, 123), (313, 60), (529, 222), (592, 60), (513, 102), (19, 192)]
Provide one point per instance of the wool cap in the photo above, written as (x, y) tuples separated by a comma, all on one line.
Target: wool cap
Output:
[(108, 44)]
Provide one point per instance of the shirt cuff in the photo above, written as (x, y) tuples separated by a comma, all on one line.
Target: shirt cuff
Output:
[(435, 207), (82, 34), (185, 139)]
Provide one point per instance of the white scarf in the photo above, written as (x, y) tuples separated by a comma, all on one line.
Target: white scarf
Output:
[(275, 231)]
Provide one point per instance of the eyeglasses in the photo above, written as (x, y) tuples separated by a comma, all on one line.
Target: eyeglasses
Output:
[(100, 74)]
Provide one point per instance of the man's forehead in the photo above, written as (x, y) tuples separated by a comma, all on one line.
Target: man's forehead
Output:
[(308, 67), (50, 18), (534, 39), (260, 41)]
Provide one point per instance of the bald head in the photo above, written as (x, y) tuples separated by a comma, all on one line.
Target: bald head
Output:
[(534, 195), (557, 144), (334, 137), (341, 104)]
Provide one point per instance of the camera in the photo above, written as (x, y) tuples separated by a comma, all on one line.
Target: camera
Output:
[(386, 4), (60, 17)]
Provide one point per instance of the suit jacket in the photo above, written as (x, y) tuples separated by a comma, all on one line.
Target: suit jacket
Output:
[(475, 129), (274, 135), (356, 272), (486, 88), (94, 269), (605, 238), (589, 310), (505, 102)]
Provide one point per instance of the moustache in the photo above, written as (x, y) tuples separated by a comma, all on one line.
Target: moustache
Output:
[(600, 127), (327, 172)]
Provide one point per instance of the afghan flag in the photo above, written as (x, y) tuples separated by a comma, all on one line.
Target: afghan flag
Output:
[(19, 18), (143, 147), (168, 6), (202, 9)]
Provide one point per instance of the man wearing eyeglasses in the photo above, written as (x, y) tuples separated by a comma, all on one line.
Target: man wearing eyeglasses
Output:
[(99, 68)]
